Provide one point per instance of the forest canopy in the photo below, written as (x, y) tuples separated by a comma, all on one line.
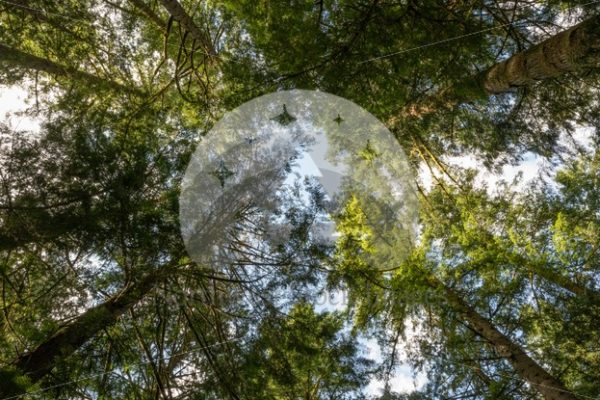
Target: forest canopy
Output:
[(497, 298)]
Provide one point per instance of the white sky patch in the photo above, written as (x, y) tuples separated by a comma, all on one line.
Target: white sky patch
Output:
[(403, 381), (529, 168), (532, 168), (13, 104), (404, 378)]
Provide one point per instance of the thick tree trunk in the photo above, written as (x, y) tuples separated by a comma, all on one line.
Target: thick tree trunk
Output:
[(180, 15), (568, 51), (24, 60), (550, 387), (37, 363)]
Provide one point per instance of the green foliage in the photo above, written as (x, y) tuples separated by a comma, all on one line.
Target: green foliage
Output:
[(518, 259), (305, 355), (89, 204), (353, 265)]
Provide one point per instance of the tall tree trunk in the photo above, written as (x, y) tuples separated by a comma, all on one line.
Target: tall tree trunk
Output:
[(566, 283), (568, 51), (37, 363), (24, 60), (550, 387), (180, 15)]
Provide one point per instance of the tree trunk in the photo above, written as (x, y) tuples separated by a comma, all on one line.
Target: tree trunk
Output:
[(37, 363), (24, 60), (550, 387), (179, 15), (566, 283), (575, 48), (568, 51)]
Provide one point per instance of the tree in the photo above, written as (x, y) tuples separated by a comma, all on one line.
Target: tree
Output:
[(93, 303), (304, 354), (505, 347), (179, 14), (568, 51), (31, 62), (507, 252), (38, 363)]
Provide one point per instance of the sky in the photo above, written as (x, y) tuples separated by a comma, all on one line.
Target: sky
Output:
[(12, 102)]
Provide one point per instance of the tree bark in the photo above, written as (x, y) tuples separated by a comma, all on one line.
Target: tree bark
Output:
[(550, 387), (37, 363), (575, 48), (24, 60), (568, 51), (180, 15)]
